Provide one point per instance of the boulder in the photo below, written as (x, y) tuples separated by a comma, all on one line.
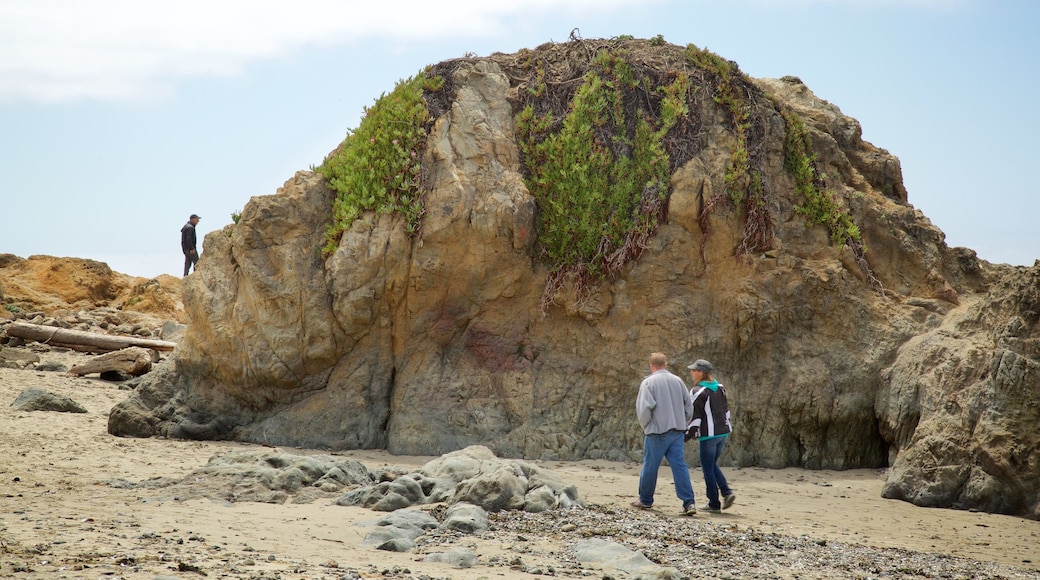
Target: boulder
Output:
[(36, 399), (834, 354), (471, 476), (614, 555), (466, 518), (458, 557)]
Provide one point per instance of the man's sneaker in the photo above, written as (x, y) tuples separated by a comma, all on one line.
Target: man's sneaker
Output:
[(710, 509), (640, 505), (689, 508), (727, 502)]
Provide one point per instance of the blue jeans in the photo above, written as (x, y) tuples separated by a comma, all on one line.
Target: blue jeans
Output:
[(711, 450), (656, 447)]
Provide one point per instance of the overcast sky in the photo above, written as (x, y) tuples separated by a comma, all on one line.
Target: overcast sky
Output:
[(119, 118)]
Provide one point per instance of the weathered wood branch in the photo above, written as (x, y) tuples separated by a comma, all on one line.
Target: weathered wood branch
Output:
[(134, 361), (80, 340)]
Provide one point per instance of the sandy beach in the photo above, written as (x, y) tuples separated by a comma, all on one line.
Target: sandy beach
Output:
[(61, 518)]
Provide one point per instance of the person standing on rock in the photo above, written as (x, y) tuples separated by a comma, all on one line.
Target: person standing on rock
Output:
[(664, 409), (191, 253), (711, 427)]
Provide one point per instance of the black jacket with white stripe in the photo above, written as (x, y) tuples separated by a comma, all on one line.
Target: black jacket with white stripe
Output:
[(710, 411)]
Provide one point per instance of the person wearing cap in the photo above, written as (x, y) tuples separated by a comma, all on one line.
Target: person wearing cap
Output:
[(191, 253), (711, 427), (663, 408)]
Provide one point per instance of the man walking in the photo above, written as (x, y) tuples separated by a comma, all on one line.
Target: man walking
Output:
[(664, 409), (191, 253)]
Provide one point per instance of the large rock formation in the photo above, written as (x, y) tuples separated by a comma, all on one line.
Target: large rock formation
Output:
[(912, 355)]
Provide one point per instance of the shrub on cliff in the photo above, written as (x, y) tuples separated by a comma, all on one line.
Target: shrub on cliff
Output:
[(378, 166)]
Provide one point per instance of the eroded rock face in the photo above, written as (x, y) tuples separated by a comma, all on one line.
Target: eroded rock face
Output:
[(961, 404), (427, 346)]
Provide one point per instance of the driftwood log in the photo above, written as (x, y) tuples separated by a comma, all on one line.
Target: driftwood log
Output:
[(83, 341), (134, 360)]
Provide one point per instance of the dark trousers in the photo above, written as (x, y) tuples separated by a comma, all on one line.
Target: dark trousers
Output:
[(714, 481), (190, 260)]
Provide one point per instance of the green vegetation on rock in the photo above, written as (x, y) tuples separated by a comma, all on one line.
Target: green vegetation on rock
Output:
[(378, 166), (743, 182), (821, 204), (600, 174), (728, 96), (597, 150)]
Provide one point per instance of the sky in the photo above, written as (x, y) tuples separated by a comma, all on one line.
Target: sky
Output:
[(120, 118)]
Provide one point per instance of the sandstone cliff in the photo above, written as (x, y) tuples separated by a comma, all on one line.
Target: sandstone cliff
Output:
[(64, 285), (891, 350)]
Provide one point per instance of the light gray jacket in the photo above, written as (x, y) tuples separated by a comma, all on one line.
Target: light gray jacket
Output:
[(663, 403)]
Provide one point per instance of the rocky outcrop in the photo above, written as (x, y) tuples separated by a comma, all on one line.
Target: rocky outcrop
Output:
[(472, 476), (912, 354), (961, 404), (68, 287)]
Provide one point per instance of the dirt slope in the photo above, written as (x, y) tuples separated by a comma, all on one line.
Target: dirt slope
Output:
[(54, 286)]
